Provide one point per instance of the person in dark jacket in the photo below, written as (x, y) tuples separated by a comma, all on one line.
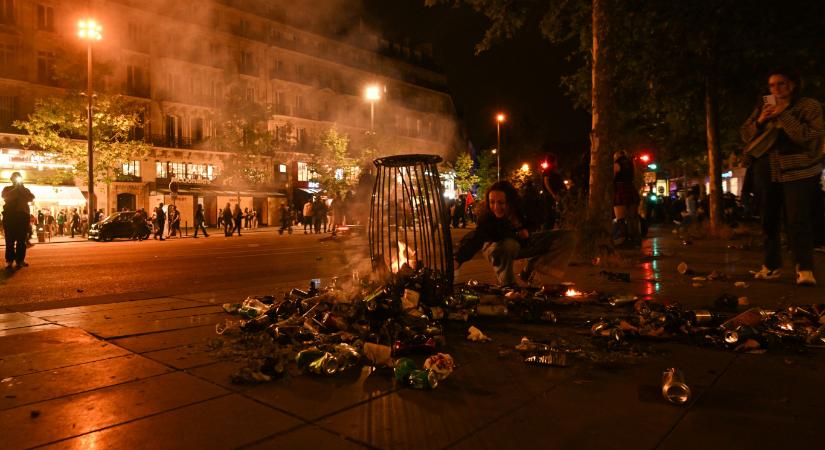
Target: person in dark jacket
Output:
[(504, 235), (227, 220), (239, 216), (199, 219), (16, 199), (161, 221)]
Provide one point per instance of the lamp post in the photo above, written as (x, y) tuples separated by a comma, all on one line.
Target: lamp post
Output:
[(500, 117), (89, 30), (372, 93)]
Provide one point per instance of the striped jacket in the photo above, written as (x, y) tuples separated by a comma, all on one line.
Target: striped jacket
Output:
[(800, 148)]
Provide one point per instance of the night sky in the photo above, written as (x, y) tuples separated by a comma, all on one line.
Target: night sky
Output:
[(520, 77)]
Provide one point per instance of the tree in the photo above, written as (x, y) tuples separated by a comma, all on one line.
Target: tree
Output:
[(464, 177), (59, 126), (486, 172), (333, 167)]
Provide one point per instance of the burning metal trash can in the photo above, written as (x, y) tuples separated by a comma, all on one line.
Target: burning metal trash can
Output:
[(409, 229)]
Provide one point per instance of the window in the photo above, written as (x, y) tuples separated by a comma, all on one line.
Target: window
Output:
[(282, 168), (161, 169), (8, 112), (45, 67), (45, 18), (7, 11), (250, 94), (134, 80), (133, 33), (8, 54), (131, 168), (247, 63), (177, 169), (197, 129), (303, 171)]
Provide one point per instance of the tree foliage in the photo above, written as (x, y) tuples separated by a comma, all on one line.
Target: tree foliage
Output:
[(59, 126), (486, 172), (464, 176), (333, 168)]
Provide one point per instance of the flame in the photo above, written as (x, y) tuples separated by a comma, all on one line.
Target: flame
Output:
[(573, 293), (400, 259)]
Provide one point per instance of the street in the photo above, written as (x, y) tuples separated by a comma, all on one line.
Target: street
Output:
[(82, 269)]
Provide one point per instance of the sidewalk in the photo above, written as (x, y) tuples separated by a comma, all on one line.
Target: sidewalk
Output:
[(136, 374), (80, 238)]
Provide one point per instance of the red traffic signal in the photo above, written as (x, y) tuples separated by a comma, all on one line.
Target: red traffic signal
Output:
[(645, 158), (544, 165)]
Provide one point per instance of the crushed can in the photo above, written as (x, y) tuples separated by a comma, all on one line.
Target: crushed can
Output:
[(674, 388), (403, 368), (327, 364)]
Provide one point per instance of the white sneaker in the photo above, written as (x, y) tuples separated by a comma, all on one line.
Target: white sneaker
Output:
[(805, 278), (767, 274)]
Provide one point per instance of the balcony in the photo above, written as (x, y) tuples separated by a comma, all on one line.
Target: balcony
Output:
[(248, 69), (162, 140)]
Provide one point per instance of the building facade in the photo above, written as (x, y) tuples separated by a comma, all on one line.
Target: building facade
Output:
[(183, 60)]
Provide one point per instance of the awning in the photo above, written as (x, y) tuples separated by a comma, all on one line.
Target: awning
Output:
[(60, 195), (310, 191)]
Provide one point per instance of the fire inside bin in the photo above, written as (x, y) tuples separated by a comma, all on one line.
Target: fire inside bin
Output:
[(409, 221)]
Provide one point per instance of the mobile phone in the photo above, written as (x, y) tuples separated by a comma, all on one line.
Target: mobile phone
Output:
[(769, 100)]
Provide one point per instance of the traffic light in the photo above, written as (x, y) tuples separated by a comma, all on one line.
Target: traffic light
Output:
[(646, 159), (545, 165)]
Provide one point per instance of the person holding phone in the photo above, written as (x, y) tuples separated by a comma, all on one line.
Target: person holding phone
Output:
[(787, 174), (16, 218)]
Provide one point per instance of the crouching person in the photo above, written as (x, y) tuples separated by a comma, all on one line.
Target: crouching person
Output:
[(503, 236)]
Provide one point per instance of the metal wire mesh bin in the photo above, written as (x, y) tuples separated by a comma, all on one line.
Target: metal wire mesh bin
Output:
[(409, 232)]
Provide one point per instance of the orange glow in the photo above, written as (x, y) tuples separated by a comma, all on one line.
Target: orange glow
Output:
[(525, 167), (89, 29), (500, 117), (401, 259), (573, 293), (372, 93)]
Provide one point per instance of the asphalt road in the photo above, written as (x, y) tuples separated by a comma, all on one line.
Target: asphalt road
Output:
[(76, 270)]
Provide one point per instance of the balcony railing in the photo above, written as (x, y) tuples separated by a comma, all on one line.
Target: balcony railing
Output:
[(162, 140)]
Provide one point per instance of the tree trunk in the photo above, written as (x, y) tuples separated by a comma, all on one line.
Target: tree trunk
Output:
[(599, 204), (714, 154)]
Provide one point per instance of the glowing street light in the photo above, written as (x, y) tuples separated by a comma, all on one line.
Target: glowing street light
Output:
[(500, 118), (372, 94), (90, 31), (525, 167)]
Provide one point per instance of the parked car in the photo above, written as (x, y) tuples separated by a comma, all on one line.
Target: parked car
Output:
[(117, 225)]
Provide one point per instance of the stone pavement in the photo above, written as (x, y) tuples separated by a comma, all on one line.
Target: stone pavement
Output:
[(136, 374)]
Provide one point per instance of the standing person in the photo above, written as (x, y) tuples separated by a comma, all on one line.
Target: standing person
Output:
[(319, 212), (174, 222), (199, 219), (504, 235), (307, 213), (246, 218), (786, 171), (254, 218), (239, 216), (16, 200), (61, 222), (161, 220), (286, 219), (75, 223), (227, 220), (625, 199), (553, 191)]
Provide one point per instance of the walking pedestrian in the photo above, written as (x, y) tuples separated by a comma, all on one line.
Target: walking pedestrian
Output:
[(246, 218), (138, 226), (307, 215), (319, 212), (161, 220), (174, 221), (61, 222), (199, 219), (227, 220), (625, 199), (239, 216), (75, 223), (286, 219), (16, 219), (784, 135)]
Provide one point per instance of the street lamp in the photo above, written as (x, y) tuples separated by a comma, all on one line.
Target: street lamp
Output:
[(89, 30), (372, 93), (500, 117)]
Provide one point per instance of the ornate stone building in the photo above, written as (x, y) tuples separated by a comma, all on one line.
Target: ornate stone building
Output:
[(183, 59)]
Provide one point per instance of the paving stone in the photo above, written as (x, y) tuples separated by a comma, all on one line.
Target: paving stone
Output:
[(136, 327), (167, 339), (310, 397), (184, 357), (226, 422), (51, 353), (32, 329), (113, 306), (307, 438), (220, 373), (94, 321), (18, 320), (15, 391), (86, 412), (126, 312)]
